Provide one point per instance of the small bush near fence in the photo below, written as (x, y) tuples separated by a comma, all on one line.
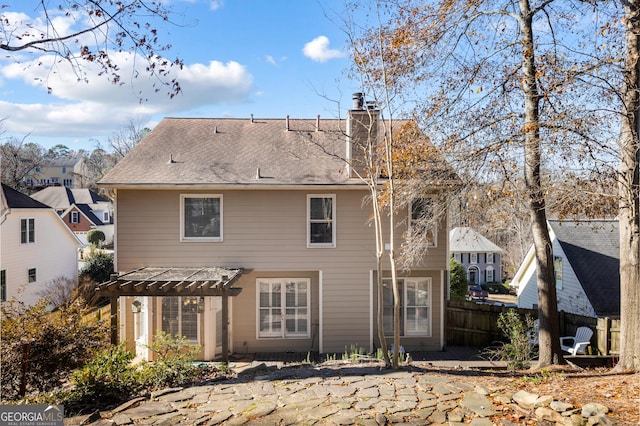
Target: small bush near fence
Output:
[(476, 325)]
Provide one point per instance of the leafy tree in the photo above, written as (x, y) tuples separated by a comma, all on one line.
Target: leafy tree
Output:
[(59, 151), (457, 280), (95, 237), (98, 266), (95, 32), (40, 349)]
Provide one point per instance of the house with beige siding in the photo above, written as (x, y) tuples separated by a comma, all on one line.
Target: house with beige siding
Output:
[(254, 235)]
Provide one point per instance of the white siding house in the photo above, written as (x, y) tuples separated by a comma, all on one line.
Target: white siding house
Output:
[(35, 247), (586, 262)]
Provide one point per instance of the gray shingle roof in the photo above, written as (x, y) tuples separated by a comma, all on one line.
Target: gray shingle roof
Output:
[(593, 249), (464, 239), (60, 197), (193, 151)]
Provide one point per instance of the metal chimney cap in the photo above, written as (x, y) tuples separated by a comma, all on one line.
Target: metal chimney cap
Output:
[(358, 100)]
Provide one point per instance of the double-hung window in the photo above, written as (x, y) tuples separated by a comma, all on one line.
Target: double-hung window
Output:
[(75, 217), (415, 306), (421, 227), (27, 230), (489, 257), (201, 217), (180, 317), (283, 307), (321, 216), (31, 275)]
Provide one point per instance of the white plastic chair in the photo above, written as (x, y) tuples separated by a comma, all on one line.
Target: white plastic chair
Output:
[(580, 341)]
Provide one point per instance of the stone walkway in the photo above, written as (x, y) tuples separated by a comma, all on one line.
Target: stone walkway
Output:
[(343, 395)]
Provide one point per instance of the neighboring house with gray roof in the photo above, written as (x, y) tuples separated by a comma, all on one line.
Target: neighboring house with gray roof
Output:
[(257, 230), (481, 258), (35, 247), (587, 267), (81, 210)]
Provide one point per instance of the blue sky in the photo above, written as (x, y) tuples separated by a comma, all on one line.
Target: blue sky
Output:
[(266, 58)]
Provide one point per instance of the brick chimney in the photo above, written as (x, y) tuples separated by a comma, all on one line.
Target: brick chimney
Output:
[(362, 134)]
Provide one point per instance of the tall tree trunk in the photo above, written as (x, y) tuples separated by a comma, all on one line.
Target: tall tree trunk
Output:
[(549, 338), (629, 195)]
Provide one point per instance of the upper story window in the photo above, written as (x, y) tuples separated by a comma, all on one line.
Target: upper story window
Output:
[(200, 217), (321, 216), (64, 170), (67, 183), (473, 257), (31, 275), (489, 257), (105, 216), (420, 225), (75, 217), (27, 230)]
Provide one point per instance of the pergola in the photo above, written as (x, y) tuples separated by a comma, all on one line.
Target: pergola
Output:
[(176, 281)]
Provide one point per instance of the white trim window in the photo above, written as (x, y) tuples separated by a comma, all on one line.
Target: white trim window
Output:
[(27, 230), (284, 309), (105, 216), (490, 274), (75, 217), (200, 217), (490, 258), (31, 275), (321, 220), (420, 225), (180, 317), (67, 183), (473, 257), (415, 306)]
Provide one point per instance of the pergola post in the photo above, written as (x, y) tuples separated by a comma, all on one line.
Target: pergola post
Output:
[(114, 320), (225, 326)]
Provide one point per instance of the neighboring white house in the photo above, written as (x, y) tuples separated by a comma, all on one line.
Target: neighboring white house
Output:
[(35, 247), (80, 209), (481, 258), (587, 268)]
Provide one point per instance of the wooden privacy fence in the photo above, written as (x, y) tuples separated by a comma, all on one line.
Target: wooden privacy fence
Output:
[(474, 324)]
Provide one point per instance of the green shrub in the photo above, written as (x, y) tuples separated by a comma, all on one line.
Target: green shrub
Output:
[(98, 267), (108, 378), (39, 349), (95, 237), (172, 365), (516, 351), (458, 280)]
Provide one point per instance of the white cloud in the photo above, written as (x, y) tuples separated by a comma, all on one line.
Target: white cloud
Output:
[(318, 50), (270, 59), (97, 106), (216, 4)]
